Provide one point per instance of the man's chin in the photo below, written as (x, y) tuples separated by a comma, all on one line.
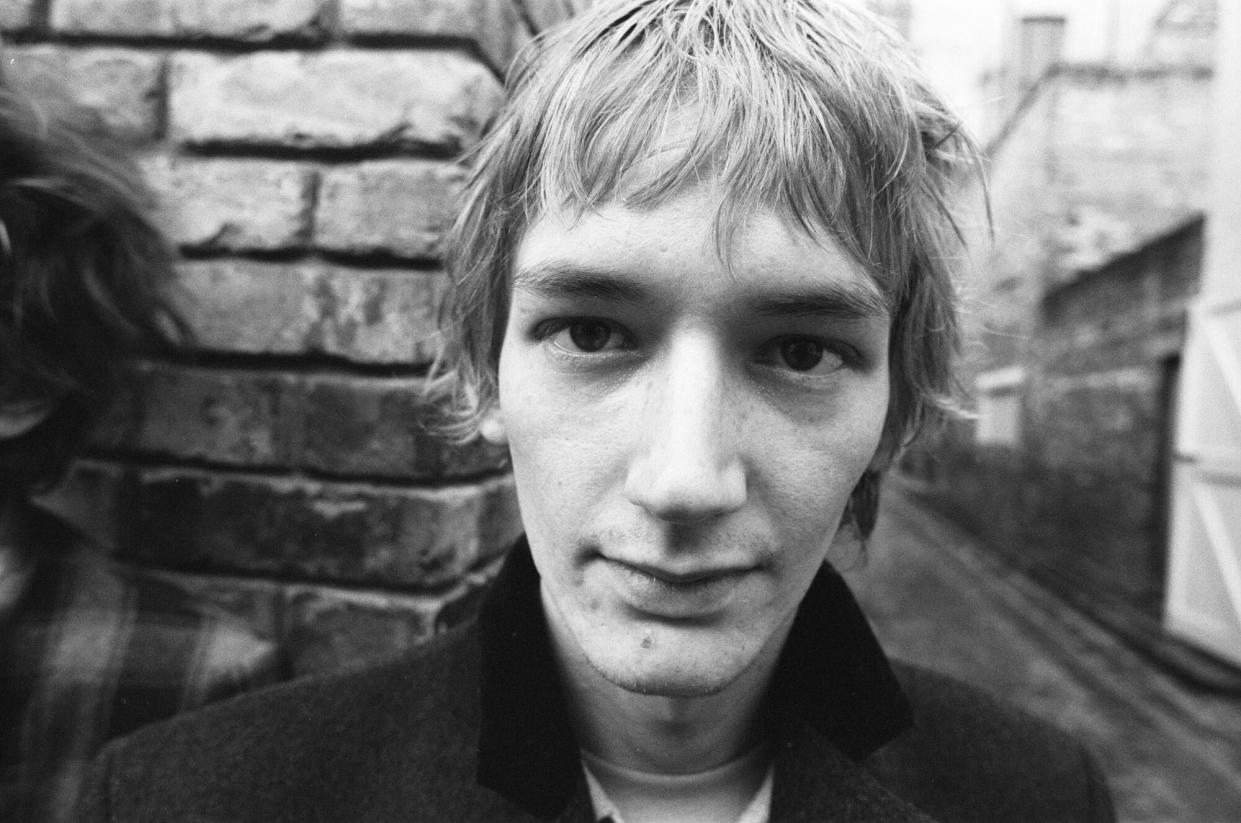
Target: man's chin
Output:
[(675, 680)]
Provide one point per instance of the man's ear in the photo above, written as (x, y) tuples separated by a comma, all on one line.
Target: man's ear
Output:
[(491, 427), (18, 416)]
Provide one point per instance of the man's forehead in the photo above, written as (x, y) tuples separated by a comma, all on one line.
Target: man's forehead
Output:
[(618, 252)]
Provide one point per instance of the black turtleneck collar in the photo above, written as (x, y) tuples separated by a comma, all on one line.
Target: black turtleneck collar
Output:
[(832, 677)]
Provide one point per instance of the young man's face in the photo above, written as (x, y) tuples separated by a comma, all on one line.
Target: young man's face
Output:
[(685, 432)]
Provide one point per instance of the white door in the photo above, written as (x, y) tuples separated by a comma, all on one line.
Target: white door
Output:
[(1203, 602)]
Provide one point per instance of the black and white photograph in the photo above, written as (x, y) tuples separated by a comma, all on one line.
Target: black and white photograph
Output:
[(620, 411)]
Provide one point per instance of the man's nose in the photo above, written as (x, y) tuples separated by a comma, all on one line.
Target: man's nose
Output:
[(687, 467)]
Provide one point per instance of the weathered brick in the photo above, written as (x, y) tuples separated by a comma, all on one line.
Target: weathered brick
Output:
[(363, 315), (245, 20), (367, 426), (376, 316), (328, 628), (339, 99), (244, 307), (544, 14), (331, 628), (376, 427), (461, 605), (396, 207), (239, 205), (500, 522), (492, 24), (120, 86), (16, 15), (305, 530), (522, 37), (257, 603), (238, 418)]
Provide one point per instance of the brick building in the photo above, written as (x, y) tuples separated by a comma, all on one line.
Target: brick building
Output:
[(304, 152), (1066, 468), (1077, 325), (1095, 163)]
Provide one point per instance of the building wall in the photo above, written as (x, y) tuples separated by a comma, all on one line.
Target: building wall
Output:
[(976, 65), (1100, 161), (1080, 498), (1183, 34), (1096, 163), (1074, 325), (303, 153), (1098, 416), (1129, 158)]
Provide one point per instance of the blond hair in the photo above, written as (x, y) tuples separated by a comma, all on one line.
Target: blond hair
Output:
[(809, 107)]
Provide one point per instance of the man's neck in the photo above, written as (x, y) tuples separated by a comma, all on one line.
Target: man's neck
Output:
[(655, 733)]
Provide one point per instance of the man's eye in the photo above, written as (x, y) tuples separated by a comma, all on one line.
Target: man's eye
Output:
[(588, 336), (801, 354), (805, 355)]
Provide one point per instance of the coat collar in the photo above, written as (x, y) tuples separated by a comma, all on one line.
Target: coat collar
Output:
[(832, 682)]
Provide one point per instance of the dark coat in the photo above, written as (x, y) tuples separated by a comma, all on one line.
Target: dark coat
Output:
[(473, 728)]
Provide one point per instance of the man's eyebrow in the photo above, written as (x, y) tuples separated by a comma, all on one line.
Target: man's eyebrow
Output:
[(561, 279), (834, 300), (843, 301)]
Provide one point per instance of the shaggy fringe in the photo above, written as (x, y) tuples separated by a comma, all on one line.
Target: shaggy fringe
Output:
[(809, 107)]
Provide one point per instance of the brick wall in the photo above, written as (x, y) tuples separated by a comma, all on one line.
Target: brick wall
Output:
[(1184, 33), (1096, 163), (303, 152), (1082, 501), (1098, 414), (1092, 182)]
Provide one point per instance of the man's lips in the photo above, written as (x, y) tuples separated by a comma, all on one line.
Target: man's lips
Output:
[(682, 577), (673, 592)]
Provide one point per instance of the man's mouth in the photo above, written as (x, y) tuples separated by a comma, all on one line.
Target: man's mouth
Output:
[(675, 593), (683, 577)]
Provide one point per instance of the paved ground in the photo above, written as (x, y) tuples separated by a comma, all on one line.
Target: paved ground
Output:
[(936, 597)]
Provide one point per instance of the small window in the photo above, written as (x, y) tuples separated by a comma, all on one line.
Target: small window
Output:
[(999, 407)]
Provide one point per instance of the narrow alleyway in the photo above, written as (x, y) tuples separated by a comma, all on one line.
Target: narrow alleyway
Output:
[(936, 597)]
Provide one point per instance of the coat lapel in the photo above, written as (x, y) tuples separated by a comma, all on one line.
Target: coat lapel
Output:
[(815, 781)]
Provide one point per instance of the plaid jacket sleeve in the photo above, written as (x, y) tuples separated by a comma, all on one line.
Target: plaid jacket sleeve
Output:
[(92, 652)]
